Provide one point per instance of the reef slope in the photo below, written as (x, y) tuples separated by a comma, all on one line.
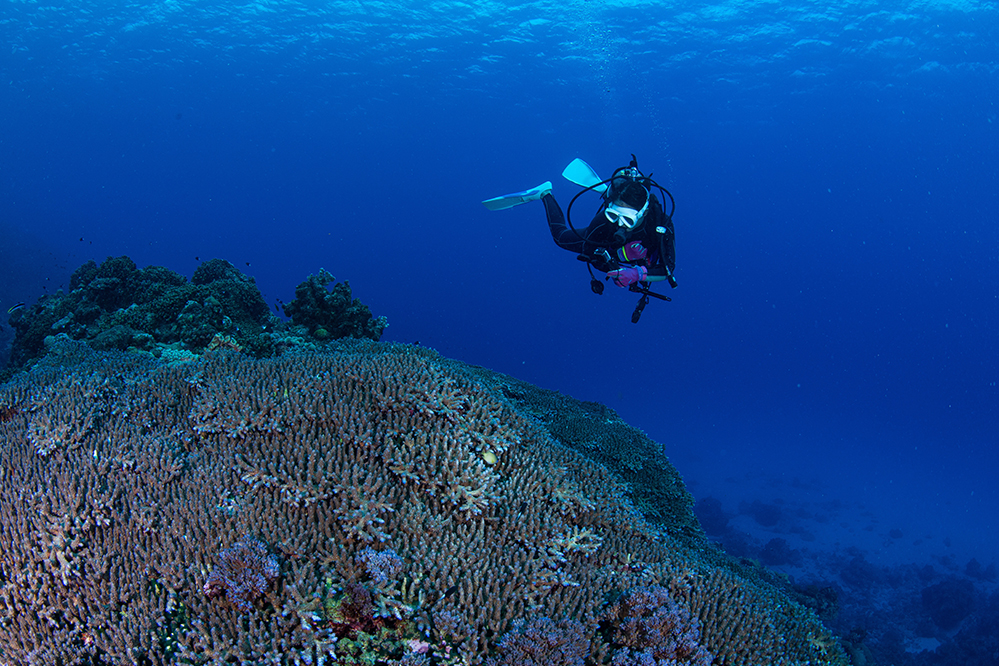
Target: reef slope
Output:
[(372, 503)]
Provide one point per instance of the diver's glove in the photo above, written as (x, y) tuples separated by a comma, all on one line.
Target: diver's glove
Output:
[(625, 277), (632, 251)]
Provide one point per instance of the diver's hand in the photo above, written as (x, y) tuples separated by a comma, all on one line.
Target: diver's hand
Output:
[(625, 277), (632, 251)]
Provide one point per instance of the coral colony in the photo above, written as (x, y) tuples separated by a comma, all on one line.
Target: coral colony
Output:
[(348, 501), (243, 573), (117, 307)]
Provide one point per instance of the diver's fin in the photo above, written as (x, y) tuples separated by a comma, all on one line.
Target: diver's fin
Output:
[(517, 198), (582, 174)]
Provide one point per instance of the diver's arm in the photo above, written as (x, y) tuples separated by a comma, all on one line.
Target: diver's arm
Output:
[(589, 242)]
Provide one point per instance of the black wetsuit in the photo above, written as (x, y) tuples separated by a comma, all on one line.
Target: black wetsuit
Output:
[(655, 233)]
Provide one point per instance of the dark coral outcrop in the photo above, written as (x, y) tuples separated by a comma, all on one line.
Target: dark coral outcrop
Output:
[(949, 601), (404, 510), (116, 306), (332, 312), (713, 518), (777, 552)]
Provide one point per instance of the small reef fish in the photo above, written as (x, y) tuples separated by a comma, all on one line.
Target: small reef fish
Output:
[(17, 306)]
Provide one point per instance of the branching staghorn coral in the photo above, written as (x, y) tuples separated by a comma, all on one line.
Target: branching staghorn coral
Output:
[(411, 511), (651, 629), (243, 574), (541, 641)]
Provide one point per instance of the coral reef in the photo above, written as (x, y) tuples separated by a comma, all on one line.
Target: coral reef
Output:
[(976, 643), (244, 572), (116, 306), (543, 642), (650, 629), (381, 566), (764, 514), (777, 552), (949, 601), (332, 313), (975, 570), (712, 517), (403, 509), (914, 602), (597, 432)]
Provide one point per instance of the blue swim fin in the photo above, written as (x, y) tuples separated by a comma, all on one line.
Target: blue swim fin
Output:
[(517, 198), (582, 174)]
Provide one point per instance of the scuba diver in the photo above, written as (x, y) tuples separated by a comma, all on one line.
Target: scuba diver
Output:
[(630, 237)]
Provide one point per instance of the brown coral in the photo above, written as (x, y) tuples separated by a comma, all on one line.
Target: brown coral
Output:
[(243, 574), (649, 627), (121, 484)]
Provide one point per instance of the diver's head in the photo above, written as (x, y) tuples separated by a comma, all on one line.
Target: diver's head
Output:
[(629, 206)]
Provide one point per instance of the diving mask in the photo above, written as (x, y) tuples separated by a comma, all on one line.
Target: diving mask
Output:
[(623, 216)]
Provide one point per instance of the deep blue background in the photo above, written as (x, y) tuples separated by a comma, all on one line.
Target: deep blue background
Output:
[(836, 177)]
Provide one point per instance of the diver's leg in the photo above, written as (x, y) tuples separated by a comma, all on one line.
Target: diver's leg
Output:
[(564, 237)]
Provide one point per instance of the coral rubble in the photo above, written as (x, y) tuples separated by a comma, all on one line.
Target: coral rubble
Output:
[(370, 504)]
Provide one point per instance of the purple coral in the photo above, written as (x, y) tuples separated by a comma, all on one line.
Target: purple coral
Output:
[(653, 630), (543, 642), (244, 573), (382, 566)]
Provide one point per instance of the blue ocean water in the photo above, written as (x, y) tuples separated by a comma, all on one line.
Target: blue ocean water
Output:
[(833, 339)]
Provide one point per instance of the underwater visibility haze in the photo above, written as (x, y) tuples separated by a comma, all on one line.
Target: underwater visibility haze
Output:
[(826, 375)]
